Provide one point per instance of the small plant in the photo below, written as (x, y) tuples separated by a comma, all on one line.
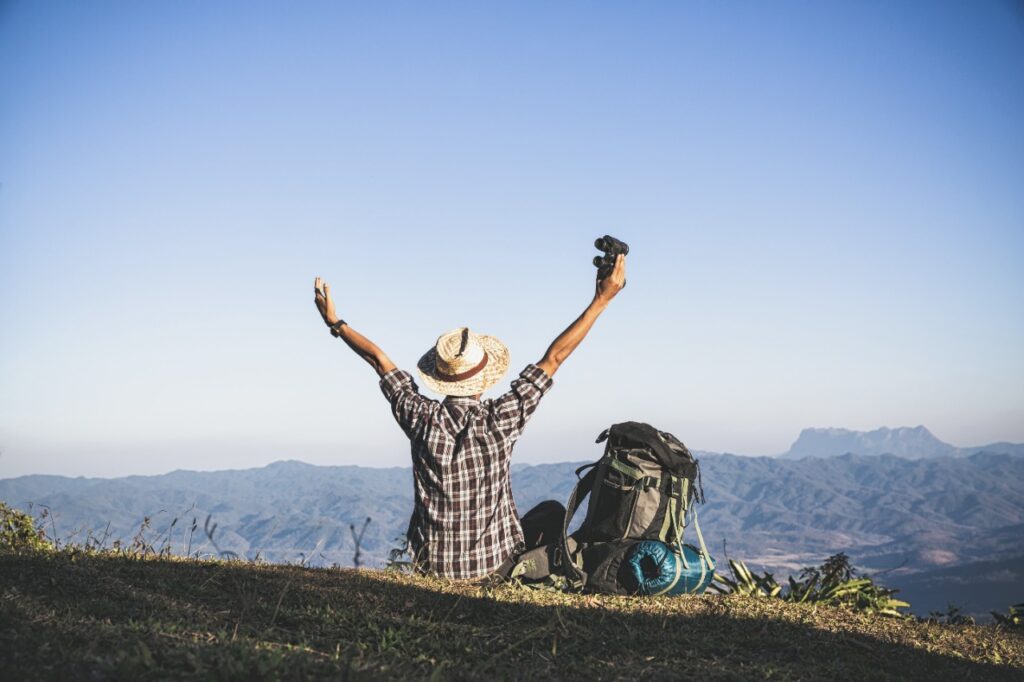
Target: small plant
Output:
[(19, 532), (834, 582), (210, 530), (951, 616), (400, 559), (1013, 620), (358, 540), (746, 582)]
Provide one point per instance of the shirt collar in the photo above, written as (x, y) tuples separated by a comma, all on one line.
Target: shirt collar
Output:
[(461, 400)]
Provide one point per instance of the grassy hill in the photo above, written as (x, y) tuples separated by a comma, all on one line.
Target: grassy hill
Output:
[(71, 615)]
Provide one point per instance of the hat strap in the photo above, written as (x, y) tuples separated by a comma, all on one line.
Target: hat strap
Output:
[(464, 375)]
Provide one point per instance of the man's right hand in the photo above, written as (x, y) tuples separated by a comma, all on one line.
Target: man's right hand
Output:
[(324, 302), (613, 283)]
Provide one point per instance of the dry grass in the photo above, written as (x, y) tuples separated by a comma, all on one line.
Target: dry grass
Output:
[(71, 615)]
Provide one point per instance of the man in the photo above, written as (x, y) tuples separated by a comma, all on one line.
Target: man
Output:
[(464, 523)]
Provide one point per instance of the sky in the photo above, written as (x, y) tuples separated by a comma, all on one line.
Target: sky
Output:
[(824, 203)]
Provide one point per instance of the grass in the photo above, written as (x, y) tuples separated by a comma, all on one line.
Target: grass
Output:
[(77, 615)]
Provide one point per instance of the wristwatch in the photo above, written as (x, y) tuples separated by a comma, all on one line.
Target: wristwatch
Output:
[(336, 328)]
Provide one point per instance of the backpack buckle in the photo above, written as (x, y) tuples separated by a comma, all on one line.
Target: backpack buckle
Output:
[(676, 488), (647, 482)]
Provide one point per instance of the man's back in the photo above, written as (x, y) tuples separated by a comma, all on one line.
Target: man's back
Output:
[(465, 523)]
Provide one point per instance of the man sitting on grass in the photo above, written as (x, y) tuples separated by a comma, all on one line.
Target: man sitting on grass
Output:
[(464, 522)]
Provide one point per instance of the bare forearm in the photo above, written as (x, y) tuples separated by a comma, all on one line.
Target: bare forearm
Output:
[(568, 340), (366, 349), (607, 288), (363, 347)]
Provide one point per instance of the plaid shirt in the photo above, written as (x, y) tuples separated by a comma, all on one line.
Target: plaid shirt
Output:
[(464, 523)]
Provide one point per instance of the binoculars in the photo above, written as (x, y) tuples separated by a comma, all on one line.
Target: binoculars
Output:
[(612, 247)]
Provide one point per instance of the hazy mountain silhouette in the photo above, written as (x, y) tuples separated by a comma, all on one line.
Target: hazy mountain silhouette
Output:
[(911, 442)]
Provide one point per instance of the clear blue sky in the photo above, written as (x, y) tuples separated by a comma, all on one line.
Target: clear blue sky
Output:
[(825, 203)]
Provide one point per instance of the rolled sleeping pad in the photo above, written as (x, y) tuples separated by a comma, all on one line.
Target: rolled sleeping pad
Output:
[(659, 570)]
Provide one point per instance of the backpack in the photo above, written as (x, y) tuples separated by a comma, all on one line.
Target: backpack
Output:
[(631, 540)]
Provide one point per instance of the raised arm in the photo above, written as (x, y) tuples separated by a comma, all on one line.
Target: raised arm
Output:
[(363, 347), (568, 340)]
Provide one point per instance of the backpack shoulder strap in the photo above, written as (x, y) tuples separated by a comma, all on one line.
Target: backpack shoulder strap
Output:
[(572, 505)]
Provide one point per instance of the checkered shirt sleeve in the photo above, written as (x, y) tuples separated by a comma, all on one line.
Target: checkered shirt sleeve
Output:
[(412, 411), (510, 412)]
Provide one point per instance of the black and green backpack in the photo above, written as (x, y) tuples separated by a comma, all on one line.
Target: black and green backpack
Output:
[(642, 492)]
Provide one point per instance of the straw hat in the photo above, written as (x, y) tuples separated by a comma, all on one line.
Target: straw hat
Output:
[(462, 363)]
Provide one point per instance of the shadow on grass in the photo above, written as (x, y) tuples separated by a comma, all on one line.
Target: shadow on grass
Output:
[(106, 617)]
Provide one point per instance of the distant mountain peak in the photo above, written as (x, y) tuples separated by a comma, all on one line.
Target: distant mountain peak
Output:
[(912, 442), (289, 465), (833, 430)]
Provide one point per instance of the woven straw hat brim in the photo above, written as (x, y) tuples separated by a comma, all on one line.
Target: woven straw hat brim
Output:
[(497, 365)]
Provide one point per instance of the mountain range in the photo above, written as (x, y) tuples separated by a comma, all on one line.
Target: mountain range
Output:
[(949, 527)]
